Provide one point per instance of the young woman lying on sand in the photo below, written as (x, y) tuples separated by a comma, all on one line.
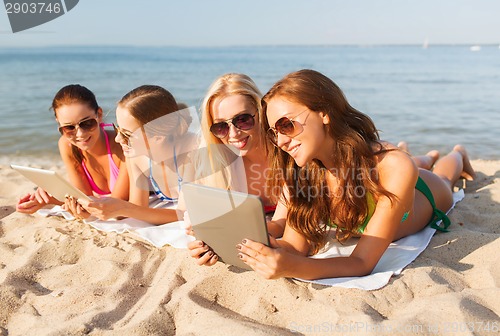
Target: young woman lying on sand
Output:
[(94, 162), (230, 119), (155, 139), (340, 176)]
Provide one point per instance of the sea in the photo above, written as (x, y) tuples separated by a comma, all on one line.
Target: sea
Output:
[(432, 98)]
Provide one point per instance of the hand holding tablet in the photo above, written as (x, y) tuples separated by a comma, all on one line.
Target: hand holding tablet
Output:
[(51, 182), (223, 218)]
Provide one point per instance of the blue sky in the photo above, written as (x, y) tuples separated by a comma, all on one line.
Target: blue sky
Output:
[(259, 22)]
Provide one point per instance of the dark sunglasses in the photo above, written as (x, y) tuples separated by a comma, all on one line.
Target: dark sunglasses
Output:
[(286, 126), (242, 122), (124, 134), (85, 125)]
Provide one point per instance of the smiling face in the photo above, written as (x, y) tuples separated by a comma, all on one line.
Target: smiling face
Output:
[(312, 142), (226, 108), (129, 135), (73, 114)]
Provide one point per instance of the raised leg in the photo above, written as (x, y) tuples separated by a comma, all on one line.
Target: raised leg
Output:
[(455, 165), (426, 161)]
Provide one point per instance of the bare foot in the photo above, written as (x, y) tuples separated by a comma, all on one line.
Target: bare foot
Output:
[(434, 156), (426, 161), (404, 146), (468, 172)]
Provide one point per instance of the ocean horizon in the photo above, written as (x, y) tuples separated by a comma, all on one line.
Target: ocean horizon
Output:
[(212, 46), (432, 98)]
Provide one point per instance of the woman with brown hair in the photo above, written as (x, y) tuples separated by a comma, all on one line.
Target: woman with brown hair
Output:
[(337, 175), (155, 139), (94, 162)]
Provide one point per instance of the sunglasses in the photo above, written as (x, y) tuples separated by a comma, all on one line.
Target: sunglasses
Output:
[(242, 122), (123, 133), (286, 126), (85, 125)]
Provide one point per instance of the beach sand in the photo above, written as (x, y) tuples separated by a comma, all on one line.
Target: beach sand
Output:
[(66, 278)]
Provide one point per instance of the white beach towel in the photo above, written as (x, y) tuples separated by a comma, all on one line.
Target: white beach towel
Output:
[(173, 234), (398, 256), (56, 211)]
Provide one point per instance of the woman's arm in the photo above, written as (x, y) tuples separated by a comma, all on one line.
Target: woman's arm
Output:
[(76, 174), (109, 207), (122, 184), (276, 226), (121, 189), (291, 240), (32, 202), (138, 204), (398, 175), (277, 262)]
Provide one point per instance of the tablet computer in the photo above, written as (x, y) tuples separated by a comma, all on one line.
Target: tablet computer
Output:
[(223, 218), (51, 182)]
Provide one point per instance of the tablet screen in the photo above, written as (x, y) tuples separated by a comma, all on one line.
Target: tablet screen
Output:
[(223, 218), (51, 182)]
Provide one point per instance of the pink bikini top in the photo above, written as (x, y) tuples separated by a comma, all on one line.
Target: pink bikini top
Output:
[(113, 169)]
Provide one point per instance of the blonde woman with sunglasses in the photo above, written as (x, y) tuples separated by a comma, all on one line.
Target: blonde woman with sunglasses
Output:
[(155, 138), (93, 161), (344, 180), (235, 157)]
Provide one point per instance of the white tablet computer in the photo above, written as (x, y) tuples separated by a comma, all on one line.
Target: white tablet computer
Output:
[(223, 218), (51, 182)]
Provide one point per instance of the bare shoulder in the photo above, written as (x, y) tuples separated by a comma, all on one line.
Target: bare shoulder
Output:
[(67, 156), (64, 147), (116, 148), (138, 164), (395, 164)]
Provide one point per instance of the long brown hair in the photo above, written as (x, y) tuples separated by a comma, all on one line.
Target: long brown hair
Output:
[(148, 102), (75, 94), (311, 204), (156, 109)]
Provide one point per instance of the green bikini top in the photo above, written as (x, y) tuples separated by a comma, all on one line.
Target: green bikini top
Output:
[(371, 210)]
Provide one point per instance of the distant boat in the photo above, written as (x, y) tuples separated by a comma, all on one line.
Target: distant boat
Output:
[(426, 44), (475, 48)]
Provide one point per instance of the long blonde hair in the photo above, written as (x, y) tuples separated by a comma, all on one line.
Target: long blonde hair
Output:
[(213, 164), (354, 134)]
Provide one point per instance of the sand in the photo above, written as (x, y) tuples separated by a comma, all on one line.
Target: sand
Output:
[(66, 278)]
